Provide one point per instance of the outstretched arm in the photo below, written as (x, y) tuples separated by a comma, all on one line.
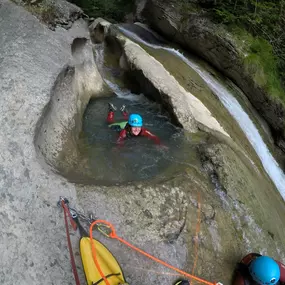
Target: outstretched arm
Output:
[(110, 117), (148, 134), (125, 115), (122, 136)]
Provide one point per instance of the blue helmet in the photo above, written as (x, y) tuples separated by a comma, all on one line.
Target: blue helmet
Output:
[(135, 120), (264, 270)]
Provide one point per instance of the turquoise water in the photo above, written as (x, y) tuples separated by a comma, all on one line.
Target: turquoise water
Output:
[(139, 158)]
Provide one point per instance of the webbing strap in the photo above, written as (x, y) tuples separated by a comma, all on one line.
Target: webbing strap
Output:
[(72, 260)]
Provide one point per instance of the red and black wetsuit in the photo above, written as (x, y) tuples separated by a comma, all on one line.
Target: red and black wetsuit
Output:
[(242, 274), (126, 132)]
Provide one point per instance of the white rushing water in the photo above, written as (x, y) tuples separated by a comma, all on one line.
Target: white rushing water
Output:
[(229, 101), (121, 93), (124, 93)]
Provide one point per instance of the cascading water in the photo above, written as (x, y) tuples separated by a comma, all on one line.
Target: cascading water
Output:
[(228, 100), (137, 159)]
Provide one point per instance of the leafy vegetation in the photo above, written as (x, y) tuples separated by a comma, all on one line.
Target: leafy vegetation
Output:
[(109, 9), (261, 62), (259, 24)]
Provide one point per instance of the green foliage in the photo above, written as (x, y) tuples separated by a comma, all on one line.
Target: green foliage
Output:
[(260, 61), (224, 16), (108, 9), (259, 26)]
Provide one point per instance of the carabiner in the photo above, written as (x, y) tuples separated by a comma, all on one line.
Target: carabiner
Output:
[(104, 229), (73, 213)]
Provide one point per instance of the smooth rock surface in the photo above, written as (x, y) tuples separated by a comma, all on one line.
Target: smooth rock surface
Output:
[(160, 219), (33, 244), (59, 128), (154, 79), (188, 25)]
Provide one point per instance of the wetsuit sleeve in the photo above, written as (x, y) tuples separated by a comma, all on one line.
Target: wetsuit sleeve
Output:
[(110, 117), (282, 272), (242, 275), (122, 136), (239, 279), (125, 115), (249, 258), (148, 134)]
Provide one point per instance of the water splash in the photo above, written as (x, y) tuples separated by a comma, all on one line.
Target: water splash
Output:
[(228, 100), (125, 93)]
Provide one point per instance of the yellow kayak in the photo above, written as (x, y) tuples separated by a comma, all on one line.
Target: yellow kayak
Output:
[(109, 265)]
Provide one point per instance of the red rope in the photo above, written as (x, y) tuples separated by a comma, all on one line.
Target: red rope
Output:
[(72, 260), (114, 236)]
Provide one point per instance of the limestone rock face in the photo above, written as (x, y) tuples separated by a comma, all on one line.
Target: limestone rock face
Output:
[(59, 128), (98, 30), (31, 58), (185, 109), (39, 66), (195, 32), (54, 13)]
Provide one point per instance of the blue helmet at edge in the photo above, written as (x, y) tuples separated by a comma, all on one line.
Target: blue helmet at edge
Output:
[(135, 120), (264, 270)]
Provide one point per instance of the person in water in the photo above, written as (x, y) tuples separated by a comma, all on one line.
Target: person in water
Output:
[(133, 127), (256, 269)]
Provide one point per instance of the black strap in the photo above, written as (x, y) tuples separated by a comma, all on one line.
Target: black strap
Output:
[(109, 275)]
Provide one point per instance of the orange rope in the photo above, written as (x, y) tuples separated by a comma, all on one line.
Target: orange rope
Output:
[(93, 248), (154, 271), (198, 223), (114, 236)]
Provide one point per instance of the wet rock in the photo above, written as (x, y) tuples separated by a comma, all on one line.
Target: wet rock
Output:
[(189, 26), (155, 81), (221, 169)]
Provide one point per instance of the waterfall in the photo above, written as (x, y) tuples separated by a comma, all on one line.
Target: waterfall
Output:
[(235, 109)]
